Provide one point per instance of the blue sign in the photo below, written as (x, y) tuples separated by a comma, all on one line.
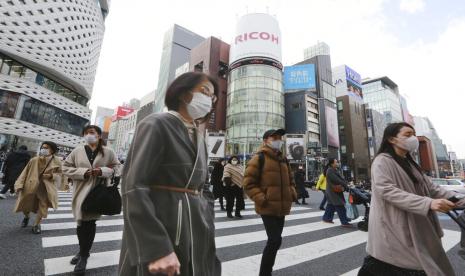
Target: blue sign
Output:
[(353, 76), (299, 77)]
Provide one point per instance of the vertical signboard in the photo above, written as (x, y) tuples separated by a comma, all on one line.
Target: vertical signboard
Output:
[(295, 146), (332, 126)]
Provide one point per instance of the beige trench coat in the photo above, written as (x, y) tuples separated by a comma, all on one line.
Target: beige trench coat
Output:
[(76, 165), (403, 231), (29, 182)]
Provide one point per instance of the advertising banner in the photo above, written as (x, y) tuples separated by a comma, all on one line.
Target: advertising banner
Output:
[(122, 111), (257, 35), (332, 126), (295, 146), (299, 77), (353, 76), (216, 145)]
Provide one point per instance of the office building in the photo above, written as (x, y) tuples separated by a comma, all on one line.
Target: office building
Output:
[(427, 157), (352, 126), (212, 57), (48, 59), (382, 94), (103, 119), (177, 44), (255, 101), (146, 106)]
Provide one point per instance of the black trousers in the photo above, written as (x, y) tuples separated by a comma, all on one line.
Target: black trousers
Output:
[(375, 267), (9, 185), (274, 228), (86, 234), (234, 194)]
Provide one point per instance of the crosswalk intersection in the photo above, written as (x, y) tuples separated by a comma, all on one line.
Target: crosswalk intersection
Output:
[(306, 243)]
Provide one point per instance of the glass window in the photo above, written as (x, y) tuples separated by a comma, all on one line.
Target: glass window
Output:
[(29, 75), (8, 103), (7, 63), (16, 70)]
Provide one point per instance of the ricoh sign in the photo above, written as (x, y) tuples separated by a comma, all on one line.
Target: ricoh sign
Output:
[(257, 36)]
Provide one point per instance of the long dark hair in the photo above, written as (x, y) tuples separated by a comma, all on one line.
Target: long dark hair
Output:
[(330, 162), (391, 131), (100, 140)]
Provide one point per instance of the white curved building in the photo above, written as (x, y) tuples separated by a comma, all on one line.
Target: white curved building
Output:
[(48, 59)]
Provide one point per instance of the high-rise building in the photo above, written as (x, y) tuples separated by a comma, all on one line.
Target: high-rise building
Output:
[(212, 57), (427, 157), (255, 101), (376, 123), (353, 133), (48, 59), (103, 120), (408, 118), (146, 106), (177, 44), (382, 94)]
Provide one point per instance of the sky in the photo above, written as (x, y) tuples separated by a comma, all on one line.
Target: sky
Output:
[(419, 44)]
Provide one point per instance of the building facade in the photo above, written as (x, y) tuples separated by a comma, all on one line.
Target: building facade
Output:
[(426, 157), (121, 134), (255, 100), (177, 44), (382, 95), (48, 59), (103, 120), (146, 106), (212, 58)]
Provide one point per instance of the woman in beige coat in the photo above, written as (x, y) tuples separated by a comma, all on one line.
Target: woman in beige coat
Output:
[(36, 185), (404, 236), (88, 166)]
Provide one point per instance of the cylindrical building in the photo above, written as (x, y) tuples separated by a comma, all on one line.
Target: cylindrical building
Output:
[(48, 59), (255, 91)]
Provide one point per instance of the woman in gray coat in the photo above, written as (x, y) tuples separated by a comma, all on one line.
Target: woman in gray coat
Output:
[(404, 236), (335, 187), (168, 213)]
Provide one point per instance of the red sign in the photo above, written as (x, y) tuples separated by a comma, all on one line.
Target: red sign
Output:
[(121, 111)]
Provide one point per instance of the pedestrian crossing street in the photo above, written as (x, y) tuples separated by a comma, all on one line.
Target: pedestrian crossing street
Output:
[(306, 243)]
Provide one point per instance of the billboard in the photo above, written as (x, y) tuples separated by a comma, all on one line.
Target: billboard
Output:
[(331, 126), (299, 77), (257, 35), (353, 76), (216, 145), (354, 83), (121, 111), (295, 146)]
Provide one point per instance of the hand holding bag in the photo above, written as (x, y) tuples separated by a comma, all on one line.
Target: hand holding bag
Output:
[(338, 188), (102, 199)]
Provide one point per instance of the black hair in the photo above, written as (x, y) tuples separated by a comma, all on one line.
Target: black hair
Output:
[(185, 83), (52, 146), (22, 147), (330, 162), (233, 157), (391, 131), (100, 140)]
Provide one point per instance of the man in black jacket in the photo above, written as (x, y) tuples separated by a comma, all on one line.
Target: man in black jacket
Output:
[(14, 164)]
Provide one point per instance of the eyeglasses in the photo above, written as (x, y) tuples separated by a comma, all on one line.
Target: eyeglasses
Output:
[(206, 91)]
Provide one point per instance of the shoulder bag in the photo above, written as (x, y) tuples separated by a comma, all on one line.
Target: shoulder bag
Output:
[(102, 199)]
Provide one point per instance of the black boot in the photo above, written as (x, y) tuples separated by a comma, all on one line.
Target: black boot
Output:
[(81, 265), (297, 202), (36, 229), (75, 259), (303, 202), (25, 222), (238, 214), (230, 215)]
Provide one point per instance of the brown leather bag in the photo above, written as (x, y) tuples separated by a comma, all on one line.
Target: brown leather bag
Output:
[(338, 188)]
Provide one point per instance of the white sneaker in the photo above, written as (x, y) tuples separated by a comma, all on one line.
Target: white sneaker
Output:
[(2, 196)]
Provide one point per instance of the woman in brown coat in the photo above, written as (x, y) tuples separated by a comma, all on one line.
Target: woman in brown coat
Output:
[(269, 183), (404, 236), (36, 185)]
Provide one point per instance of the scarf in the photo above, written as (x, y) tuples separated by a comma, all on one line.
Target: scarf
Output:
[(235, 173)]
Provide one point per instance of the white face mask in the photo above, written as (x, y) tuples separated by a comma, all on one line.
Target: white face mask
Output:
[(276, 144), (200, 105), (234, 162), (409, 144), (91, 139), (44, 152)]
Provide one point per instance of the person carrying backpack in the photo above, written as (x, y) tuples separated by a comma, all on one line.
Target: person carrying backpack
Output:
[(268, 181)]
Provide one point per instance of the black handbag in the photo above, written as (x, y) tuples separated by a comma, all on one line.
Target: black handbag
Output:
[(102, 199)]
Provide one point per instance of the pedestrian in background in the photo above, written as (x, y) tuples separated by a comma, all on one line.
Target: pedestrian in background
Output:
[(37, 185), (88, 166), (335, 187), (462, 239), (217, 182), (233, 176), (404, 233), (14, 164), (269, 183), (168, 211), (299, 178), (321, 186)]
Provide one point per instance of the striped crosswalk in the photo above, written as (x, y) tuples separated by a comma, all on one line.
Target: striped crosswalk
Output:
[(306, 240)]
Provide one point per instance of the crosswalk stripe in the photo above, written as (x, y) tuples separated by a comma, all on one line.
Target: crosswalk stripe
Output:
[(72, 239), (67, 216), (450, 239), (60, 209), (252, 212), (64, 203), (61, 265)]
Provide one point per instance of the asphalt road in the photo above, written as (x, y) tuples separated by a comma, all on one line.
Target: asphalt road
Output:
[(309, 246)]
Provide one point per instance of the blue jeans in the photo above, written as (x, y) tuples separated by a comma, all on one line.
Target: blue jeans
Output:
[(341, 212), (323, 201)]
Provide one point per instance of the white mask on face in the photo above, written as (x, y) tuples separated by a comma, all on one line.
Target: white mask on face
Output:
[(200, 105), (90, 139), (44, 152), (276, 144), (234, 162), (409, 144)]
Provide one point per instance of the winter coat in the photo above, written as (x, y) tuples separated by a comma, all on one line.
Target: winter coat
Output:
[(273, 188), (334, 178), (158, 222), (217, 181), (299, 178), (403, 231), (76, 165), (14, 164), (321, 184), (29, 181)]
